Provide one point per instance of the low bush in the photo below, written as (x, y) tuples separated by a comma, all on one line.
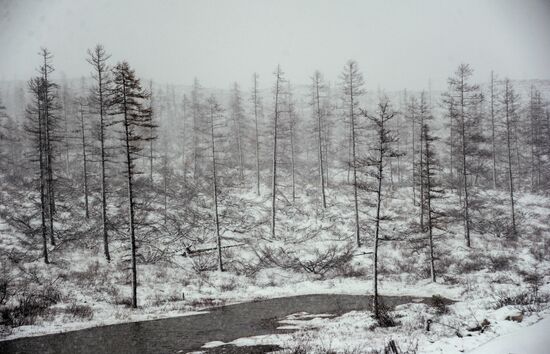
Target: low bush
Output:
[(318, 262), (30, 305), (473, 263), (439, 303), (80, 311), (202, 262), (501, 262), (528, 301), (385, 317)]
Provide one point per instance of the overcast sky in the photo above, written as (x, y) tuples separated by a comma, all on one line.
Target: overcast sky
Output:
[(398, 44)]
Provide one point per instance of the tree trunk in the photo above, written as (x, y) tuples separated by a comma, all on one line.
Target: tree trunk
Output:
[(239, 147), (377, 228), (413, 118), (429, 203), (42, 187), (103, 183), (49, 168), (464, 167), (215, 192), (493, 140), (508, 143), (354, 163), (274, 172), (130, 173), (84, 161), (255, 98), (292, 155), (422, 201), (319, 136)]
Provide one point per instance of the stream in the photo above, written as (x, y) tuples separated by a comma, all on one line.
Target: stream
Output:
[(189, 333)]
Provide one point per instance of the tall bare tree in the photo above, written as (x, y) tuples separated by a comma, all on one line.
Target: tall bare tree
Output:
[(36, 128), (151, 132), (291, 110), (83, 130), (237, 115), (383, 151), (317, 87), (464, 98), (510, 102), (100, 94), (197, 115), (431, 191), (129, 102), (48, 107), (277, 92), (256, 102), (214, 110), (412, 116), (352, 84), (493, 139)]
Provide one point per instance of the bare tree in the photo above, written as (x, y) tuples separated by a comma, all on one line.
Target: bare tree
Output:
[(292, 128), (215, 110), (317, 87), (464, 97), (237, 115), (493, 140), (352, 83), (36, 128), (424, 114), (185, 108), (256, 102), (83, 130), (536, 137), (197, 114), (277, 91), (151, 132), (431, 191), (98, 58), (383, 151), (509, 102), (66, 99), (129, 99), (412, 115), (49, 105)]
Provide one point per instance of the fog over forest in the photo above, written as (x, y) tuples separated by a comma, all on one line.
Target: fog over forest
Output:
[(274, 176)]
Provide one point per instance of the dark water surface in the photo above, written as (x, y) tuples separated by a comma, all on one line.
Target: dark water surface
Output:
[(189, 333)]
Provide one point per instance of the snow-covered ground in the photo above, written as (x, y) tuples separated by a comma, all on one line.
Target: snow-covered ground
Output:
[(484, 281)]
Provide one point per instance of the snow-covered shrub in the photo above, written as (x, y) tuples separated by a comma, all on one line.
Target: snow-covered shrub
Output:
[(500, 262), (528, 300), (224, 281), (30, 305), (316, 260), (80, 311), (474, 262), (541, 250), (202, 262), (439, 303), (385, 317)]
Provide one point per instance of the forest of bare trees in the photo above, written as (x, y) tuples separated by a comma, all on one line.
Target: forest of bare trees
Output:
[(149, 172)]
